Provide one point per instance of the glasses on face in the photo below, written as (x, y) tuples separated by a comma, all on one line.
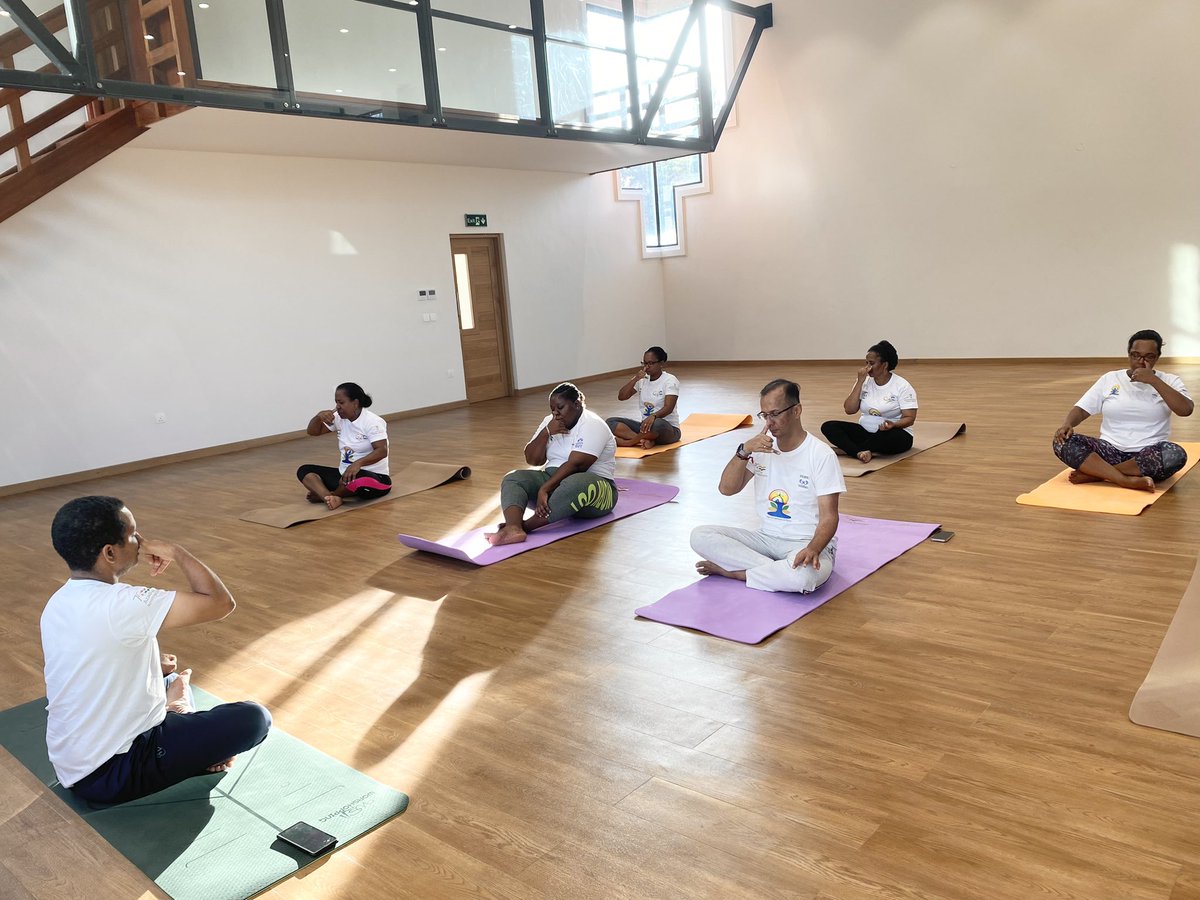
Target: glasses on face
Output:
[(774, 414), (654, 362), (1143, 357)]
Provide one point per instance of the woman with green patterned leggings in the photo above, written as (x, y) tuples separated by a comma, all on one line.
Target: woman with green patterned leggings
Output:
[(576, 456)]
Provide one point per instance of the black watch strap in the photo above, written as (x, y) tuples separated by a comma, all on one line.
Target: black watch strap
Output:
[(740, 452)]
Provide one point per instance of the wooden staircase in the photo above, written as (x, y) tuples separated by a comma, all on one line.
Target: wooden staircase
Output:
[(133, 40)]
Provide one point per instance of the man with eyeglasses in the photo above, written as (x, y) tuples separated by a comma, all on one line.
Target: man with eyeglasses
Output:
[(797, 481)]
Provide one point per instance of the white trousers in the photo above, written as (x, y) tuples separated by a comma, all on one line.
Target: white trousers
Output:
[(766, 560)]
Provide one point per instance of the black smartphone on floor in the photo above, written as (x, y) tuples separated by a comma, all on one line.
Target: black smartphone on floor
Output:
[(941, 536), (312, 841)]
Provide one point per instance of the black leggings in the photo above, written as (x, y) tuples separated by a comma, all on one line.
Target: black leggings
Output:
[(367, 485), (852, 439)]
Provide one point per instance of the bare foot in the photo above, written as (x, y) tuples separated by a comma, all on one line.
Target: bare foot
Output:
[(865, 456), (508, 534), (1077, 477), (222, 766), (177, 700), (707, 567), (333, 501), (314, 498), (646, 444), (1139, 483), (626, 442)]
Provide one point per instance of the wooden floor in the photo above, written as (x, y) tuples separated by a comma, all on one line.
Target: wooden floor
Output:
[(954, 726)]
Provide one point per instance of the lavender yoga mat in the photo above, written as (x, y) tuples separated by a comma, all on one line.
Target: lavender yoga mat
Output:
[(633, 497), (727, 608)]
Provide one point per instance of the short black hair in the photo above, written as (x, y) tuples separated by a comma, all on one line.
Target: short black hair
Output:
[(82, 528), (1146, 334), (791, 389), (885, 351), (659, 353), (354, 392), (572, 393)]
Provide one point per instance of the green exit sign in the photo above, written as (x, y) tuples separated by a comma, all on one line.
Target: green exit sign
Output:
[(476, 220)]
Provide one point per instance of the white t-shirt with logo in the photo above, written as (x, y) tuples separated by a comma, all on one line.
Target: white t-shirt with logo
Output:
[(590, 435), (104, 680), (787, 485), (1135, 415), (651, 395), (885, 401), (354, 440)]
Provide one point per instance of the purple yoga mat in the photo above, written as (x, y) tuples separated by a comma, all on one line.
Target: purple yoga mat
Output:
[(634, 497), (729, 609)]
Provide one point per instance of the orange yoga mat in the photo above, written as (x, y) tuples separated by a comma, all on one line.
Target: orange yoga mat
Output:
[(1099, 496), (1169, 698), (695, 427)]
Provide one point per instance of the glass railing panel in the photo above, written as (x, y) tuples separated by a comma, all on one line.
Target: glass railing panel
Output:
[(678, 114), (233, 42), (505, 12), (485, 70), (597, 23), (589, 87), (17, 51), (344, 48)]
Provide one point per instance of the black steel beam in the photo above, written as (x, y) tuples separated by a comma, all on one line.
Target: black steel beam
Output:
[(23, 17)]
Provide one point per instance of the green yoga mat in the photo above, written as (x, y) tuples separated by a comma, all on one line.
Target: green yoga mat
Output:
[(214, 836)]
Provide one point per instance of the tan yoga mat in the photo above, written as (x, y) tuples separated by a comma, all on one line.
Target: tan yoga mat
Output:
[(925, 436), (1100, 496), (695, 427), (412, 479), (1169, 698)]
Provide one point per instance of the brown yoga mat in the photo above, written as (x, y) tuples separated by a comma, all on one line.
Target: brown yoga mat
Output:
[(1100, 496), (412, 479), (925, 435), (695, 427), (1169, 698)]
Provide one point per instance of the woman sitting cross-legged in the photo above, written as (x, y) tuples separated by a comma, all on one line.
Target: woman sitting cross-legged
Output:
[(888, 407), (1132, 450), (576, 454), (362, 451), (658, 394)]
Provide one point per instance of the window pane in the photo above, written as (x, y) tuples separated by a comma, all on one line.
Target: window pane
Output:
[(588, 86), (486, 70), (670, 173), (234, 43), (641, 178), (506, 12), (17, 51), (355, 50), (462, 283)]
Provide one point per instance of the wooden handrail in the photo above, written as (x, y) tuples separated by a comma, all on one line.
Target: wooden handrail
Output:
[(40, 123)]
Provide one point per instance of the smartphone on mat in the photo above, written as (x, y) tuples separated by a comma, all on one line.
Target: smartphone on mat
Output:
[(312, 841), (941, 536)]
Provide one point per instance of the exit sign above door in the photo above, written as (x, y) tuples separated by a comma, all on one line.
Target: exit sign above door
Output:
[(476, 220)]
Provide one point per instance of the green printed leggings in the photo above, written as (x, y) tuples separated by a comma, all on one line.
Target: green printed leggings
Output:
[(582, 495)]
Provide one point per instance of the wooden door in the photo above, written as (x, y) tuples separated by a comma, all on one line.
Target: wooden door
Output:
[(482, 323)]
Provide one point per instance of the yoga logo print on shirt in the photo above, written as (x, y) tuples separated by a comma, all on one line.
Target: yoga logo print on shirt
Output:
[(347, 455), (778, 501), (1114, 391), (647, 409)]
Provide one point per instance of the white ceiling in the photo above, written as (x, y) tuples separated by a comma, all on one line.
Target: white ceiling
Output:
[(276, 134)]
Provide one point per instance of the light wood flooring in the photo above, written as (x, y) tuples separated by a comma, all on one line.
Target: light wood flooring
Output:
[(953, 727)]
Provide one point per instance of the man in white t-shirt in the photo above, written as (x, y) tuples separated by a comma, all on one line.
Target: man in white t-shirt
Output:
[(114, 730), (797, 480)]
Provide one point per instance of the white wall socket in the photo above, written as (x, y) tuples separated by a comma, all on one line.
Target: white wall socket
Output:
[(160, 418)]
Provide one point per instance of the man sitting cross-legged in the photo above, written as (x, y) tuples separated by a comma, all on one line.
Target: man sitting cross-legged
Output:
[(797, 480), (115, 730)]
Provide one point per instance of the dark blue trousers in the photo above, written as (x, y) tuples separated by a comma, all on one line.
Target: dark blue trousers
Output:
[(178, 748)]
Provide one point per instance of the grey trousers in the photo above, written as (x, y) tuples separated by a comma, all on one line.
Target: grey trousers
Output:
[(667, 433), (582, 495), (767, 561)]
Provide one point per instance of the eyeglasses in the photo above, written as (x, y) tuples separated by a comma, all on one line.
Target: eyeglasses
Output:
[(775, 413), (1143, 357)]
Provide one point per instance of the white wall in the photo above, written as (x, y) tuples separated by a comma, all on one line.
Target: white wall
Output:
[(233, 292), (974, 178)]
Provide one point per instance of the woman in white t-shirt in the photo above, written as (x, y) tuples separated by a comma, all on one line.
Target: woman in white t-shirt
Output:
[(576, 456), (658, 393), (887, 407), (362, 469), (1137, 402)]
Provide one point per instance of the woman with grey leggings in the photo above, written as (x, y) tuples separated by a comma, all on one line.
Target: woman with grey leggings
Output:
[(576, 456)]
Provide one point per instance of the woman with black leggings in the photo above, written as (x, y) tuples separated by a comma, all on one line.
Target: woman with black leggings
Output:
[(887, 407)]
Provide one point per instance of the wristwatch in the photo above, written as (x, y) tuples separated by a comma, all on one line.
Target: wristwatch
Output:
[(740, 452)]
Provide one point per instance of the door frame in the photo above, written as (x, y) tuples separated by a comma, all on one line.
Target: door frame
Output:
[(503, 314)]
